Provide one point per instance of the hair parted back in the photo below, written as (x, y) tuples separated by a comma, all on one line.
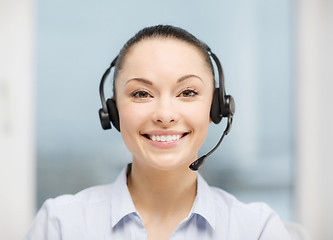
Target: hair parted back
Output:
[(163, 31)]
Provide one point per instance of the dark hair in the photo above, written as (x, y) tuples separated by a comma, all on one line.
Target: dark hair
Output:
[(165, 31)]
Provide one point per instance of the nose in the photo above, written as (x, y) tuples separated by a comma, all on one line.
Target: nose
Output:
[(165, 113)]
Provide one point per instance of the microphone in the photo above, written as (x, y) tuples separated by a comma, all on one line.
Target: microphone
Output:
[(197, 163)]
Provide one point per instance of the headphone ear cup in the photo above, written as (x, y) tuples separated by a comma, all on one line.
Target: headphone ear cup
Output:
[(215, 113), (113, 113), (104, 118), (229, 108)]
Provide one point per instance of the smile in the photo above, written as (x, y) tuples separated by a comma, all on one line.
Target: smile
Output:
[(164, 138)]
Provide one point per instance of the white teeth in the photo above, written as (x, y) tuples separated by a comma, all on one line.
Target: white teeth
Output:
[(165, 138)]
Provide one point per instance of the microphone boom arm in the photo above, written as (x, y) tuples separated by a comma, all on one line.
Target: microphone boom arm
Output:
[(197, 163)]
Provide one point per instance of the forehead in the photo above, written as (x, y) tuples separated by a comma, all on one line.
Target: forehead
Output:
[(164, 43), (168, 53)]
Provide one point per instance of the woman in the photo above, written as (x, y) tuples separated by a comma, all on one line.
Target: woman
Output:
[(163, 92)]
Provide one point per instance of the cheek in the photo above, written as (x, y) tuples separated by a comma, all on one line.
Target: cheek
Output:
[(197, 115), (199, 110), (131, 116)]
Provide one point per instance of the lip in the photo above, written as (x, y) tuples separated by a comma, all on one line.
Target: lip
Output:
[(165, 144)]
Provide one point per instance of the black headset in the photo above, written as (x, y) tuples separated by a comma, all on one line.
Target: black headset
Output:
[(222, 106)]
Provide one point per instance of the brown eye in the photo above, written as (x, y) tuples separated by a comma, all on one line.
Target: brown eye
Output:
[(188, 93), (141, 94)]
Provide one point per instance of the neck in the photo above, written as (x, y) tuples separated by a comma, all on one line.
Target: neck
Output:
[(162, 193)]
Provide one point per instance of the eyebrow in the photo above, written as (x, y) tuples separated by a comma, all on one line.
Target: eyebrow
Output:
[(181, 79), (140, 80)]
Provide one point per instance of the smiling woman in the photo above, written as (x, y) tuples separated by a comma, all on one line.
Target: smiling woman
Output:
[(177, 85), (163, 101)]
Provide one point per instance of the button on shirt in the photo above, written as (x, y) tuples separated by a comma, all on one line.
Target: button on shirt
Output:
[(107, 212)]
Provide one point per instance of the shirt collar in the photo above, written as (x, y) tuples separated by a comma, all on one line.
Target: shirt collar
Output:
[(121, 201), (204, 204), (122, 204)]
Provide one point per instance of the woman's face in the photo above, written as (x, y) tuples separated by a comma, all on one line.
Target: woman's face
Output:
[(164, 93)]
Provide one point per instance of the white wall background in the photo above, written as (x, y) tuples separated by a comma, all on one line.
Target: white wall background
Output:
[(17, 90), (314, 191)]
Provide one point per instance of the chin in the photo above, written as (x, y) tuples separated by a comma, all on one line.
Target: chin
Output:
[(169, 163)]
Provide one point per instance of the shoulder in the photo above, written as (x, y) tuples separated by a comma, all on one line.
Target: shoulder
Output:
[(90, 195), (224, 200), (256, 219), (70, 214), (228, 208), (84, 215), (91, 202), (96, 197)]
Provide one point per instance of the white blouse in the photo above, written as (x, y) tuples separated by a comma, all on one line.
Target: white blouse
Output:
[(107, 212)]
